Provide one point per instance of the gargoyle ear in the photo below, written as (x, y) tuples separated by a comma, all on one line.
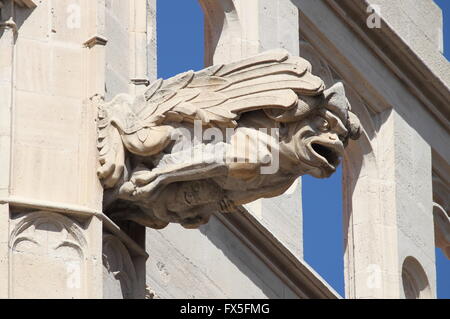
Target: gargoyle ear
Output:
[(354, 126), (336, 100)]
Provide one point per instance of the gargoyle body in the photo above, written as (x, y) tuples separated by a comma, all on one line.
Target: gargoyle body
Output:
[(208, 141)]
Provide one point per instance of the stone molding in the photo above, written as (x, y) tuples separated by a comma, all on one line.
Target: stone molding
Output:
[(431, 88), (296, 273)]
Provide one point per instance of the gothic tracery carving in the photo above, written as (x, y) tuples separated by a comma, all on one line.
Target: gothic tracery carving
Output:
[(44, 246)]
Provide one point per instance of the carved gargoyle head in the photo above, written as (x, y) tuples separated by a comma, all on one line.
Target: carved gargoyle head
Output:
[(321, 131)]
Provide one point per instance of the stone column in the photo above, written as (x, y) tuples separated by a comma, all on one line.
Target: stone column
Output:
[(55, 240), (388, 231), (50, 199), (140, 44), (235, 29), (7, 39)]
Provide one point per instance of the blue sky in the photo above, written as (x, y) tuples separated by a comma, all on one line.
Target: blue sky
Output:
[(180, 48)]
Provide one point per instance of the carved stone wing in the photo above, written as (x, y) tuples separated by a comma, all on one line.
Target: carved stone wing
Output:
[(219, 94)]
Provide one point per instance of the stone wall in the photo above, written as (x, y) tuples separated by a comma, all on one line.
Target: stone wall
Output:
[(210, 262)]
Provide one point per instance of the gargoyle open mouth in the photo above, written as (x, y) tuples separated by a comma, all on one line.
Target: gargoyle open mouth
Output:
[(330, 152)]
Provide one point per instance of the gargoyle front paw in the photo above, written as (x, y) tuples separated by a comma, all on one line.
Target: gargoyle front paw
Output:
[(106, 168), (142, 191), (110, 171), (128, 189), (138, 185), (142, 177)]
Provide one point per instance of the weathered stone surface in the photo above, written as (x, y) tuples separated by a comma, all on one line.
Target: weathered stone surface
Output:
[(415, 21), (48, 251), (208, 263)]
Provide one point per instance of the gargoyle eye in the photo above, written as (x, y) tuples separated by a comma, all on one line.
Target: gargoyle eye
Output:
[(324, 125)]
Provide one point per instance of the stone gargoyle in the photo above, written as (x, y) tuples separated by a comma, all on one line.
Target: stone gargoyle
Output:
[(209, 141)]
